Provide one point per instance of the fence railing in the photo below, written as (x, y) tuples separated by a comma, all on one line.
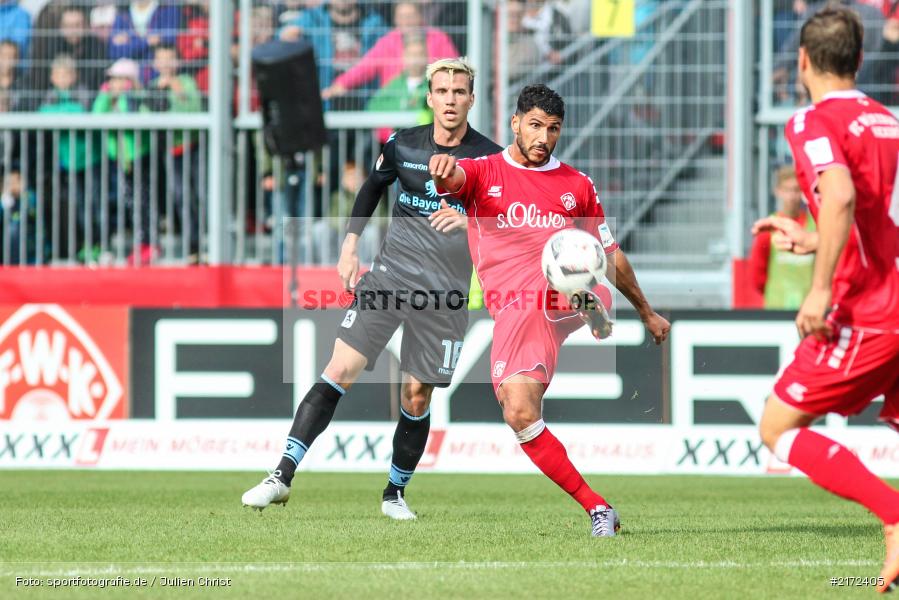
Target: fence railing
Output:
[(645, 118), (645, 121), (779, 94)]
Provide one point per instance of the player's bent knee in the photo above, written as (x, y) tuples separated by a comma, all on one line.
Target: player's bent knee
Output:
[(342, 373), (416, 397), (519, 418), (416, 404), (778, 418)]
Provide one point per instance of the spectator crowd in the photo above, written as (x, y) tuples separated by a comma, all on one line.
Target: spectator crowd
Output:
[(879, 74), (152, 56), (146, 56)]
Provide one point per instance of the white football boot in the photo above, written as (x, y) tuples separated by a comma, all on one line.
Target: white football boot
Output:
[(605, 521), (397, 509), (271, 491)]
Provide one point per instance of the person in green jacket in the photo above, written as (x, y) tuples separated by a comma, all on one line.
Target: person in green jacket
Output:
[(122, 93), (68, 95), (176, 92), (784, 278), (407, 91)]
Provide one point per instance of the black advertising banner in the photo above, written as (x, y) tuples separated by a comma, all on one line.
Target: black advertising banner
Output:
[(716, 369)]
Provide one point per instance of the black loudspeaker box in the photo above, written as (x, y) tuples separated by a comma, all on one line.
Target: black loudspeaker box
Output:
[(292, 113)]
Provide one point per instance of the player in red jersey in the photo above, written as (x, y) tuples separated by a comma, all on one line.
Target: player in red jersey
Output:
[(846, 148), (515, 201)]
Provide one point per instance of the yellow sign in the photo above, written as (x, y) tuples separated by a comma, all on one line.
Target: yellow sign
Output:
[(612, 18)]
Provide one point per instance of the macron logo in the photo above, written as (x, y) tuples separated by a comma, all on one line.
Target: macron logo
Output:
[(495, 191)]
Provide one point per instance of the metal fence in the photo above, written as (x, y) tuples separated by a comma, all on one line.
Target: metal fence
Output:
[(125, 186), (778, 92), (315, 192), (101, 196), (645, 117)]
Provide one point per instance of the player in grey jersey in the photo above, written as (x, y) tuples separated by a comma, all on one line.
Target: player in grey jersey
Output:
[(425, 250)]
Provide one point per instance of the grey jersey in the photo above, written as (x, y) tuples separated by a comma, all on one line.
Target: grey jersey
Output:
[(413, 251)]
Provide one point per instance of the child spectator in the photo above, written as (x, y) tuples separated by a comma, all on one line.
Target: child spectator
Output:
[(122, 94), (67, 95), (408, 90), (17, 203), (172, 91), (15, 25), (385, 60)]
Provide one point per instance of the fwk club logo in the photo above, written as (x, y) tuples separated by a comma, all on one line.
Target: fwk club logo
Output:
[(51, 368)]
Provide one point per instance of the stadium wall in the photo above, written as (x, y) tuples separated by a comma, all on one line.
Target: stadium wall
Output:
[(111, 387)]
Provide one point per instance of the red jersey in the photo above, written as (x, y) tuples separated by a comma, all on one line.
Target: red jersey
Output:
[(852, 131), (515, 210)]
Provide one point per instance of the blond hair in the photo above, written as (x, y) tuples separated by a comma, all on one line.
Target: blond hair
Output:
[(451, 66), (64, 61), (784, 174)]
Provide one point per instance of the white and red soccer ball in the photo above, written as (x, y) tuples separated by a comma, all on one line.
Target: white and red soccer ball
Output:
[(573, 260)]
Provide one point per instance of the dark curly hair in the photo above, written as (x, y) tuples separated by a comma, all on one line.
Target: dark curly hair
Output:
[(540, 96)]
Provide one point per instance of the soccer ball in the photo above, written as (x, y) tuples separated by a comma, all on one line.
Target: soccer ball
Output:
[(573, 260)]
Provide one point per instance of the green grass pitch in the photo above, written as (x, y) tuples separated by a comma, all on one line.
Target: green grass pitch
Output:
[(477, 536)]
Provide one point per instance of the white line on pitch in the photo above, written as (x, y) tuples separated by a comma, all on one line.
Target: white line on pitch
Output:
[(307, 567)]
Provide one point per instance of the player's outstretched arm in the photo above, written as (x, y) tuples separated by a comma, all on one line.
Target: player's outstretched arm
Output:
[(446, 175), (787, 235), (835, 219), (621, 273)]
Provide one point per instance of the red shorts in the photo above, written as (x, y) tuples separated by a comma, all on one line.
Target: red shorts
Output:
[(527, 338), (844, 374)]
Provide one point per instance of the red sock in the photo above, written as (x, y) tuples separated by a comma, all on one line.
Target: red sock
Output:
[(833, 467), (548, 453)]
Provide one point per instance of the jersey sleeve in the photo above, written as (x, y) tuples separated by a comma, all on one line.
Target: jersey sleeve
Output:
[(385, 172), (591, 218), (373, 188), (815, 143), (473, 168)]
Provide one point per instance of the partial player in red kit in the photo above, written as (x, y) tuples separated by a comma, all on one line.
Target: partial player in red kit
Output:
[(846, 148), (515, 201)]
